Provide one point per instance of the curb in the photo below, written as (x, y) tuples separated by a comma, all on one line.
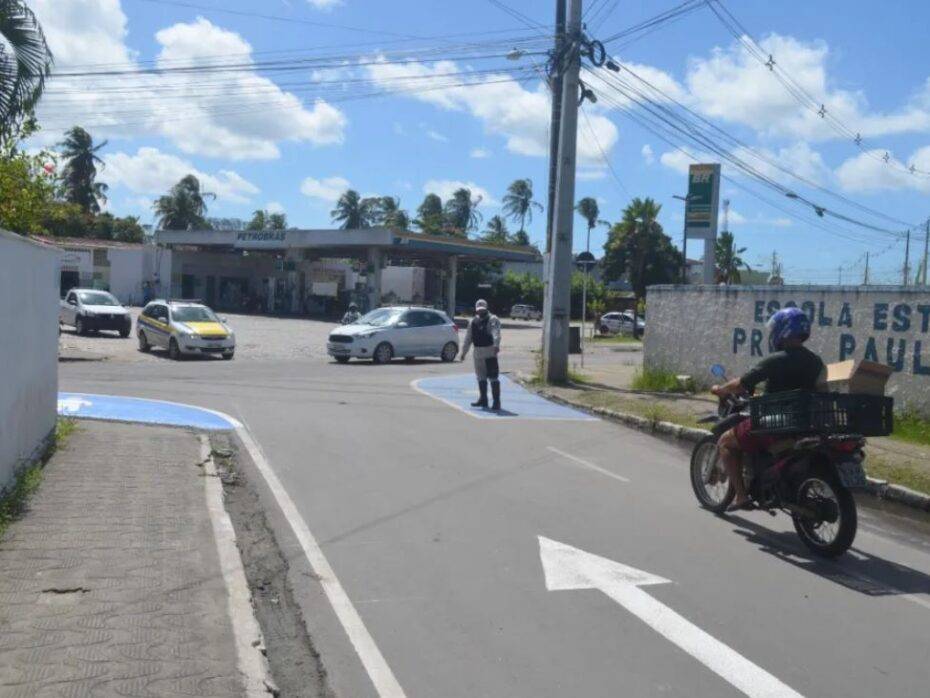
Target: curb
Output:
[(880, 489)]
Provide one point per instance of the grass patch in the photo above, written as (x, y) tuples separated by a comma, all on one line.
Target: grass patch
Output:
[(27, 480), (912, 428), (899, 473), (658, 381), (647, 409), (614, 339)]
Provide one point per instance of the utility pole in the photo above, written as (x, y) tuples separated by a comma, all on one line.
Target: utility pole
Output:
[(865, 280), (558, 290), (555, 87), (841, 274), (907, 257), (923, 276)]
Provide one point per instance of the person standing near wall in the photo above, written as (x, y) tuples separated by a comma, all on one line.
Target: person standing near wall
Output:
[(484, 332)]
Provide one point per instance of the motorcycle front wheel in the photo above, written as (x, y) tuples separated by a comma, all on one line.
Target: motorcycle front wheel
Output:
[(709, 478), (833, 530)]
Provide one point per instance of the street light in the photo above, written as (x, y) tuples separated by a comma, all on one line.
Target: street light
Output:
[(684, 235)]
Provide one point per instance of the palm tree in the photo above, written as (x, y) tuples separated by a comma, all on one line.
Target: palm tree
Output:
[(80, 170), (263, 220), (461, 212), (518, 201), (277, 221), (496, 233), (25, 62), (521, 238), (184, 207), (429, 215), (391, 215), (588, 209), (352, 212), (728, 259)]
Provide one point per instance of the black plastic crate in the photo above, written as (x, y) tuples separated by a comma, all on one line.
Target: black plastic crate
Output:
[(803, 412)]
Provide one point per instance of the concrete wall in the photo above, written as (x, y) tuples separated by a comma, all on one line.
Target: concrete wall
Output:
[(690, 328), (408, 284), (29, 279), (127, 266)]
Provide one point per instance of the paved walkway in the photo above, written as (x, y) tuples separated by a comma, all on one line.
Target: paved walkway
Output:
[(111, 585)]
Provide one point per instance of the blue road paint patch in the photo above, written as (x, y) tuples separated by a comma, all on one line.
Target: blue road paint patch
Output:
[(134, 409), (460, 390)]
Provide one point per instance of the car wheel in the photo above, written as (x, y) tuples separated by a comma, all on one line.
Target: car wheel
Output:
[(342, 359), (174, 351), (79, 327), (383, 353), (449, 352), (144, 345), (409, 359), (604, 330), (227, 356), (124, 332)]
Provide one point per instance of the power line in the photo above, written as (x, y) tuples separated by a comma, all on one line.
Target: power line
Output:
[(604, 157)]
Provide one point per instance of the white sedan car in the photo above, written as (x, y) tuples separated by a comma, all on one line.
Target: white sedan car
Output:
[(385, 333), (616, 323), (90, 310)]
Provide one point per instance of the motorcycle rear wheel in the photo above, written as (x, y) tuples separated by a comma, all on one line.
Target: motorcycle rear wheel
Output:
[(826, 538), (705, 463)]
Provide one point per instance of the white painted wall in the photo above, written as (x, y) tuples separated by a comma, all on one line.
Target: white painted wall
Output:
[(407, 283), (127, 266), (29, 280)]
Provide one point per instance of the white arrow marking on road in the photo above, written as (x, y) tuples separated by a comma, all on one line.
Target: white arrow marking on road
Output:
[(566, 568)]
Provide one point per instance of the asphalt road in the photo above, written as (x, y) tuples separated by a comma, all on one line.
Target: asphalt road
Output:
[(431, 520)]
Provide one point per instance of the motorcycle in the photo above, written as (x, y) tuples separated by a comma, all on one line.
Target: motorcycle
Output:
[(809, 476)]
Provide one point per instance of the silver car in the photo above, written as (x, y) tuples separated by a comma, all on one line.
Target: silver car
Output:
[(385, 333), (90, 310)]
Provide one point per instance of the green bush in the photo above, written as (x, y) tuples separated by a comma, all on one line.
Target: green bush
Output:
[(654, 380)]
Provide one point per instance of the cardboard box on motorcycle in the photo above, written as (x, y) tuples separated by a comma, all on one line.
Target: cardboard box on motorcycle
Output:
[(855, 377)]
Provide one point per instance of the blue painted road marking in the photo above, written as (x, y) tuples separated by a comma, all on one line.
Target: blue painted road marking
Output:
[(134, 409), (460, 390)]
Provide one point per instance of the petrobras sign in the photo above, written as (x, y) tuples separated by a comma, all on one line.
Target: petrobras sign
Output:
[(251, 239), (703, 201)]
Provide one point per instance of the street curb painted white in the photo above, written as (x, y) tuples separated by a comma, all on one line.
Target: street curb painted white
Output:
[(246, 631), (880, 489)]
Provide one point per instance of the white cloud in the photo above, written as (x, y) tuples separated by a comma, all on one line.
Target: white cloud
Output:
[(588, 175), (868, 172), (480, 153), (734, 86), (502, 104), (678, 161), (325, 4), (436, 136), (648, 156), (151, 171), (798, 158), (274, 207), (446, 187), (328, 189), (242, 116)]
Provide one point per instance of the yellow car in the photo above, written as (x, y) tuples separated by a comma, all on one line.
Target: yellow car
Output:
[(184, 328)]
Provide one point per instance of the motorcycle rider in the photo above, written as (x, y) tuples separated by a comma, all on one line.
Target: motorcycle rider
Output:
[(792, 366), (352, 315), (484, 331)]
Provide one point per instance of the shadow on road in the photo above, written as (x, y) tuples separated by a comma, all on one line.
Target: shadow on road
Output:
[(857, 570)]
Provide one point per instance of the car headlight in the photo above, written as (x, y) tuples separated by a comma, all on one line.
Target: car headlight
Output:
[(367, 335), (88, 313), (190, 335)]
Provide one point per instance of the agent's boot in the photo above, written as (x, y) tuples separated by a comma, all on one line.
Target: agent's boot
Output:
[(496, 394), (483, 392)]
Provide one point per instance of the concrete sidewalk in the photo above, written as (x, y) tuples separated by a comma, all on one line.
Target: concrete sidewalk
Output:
[(111, 582)]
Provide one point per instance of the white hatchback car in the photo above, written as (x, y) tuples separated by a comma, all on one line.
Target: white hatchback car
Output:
[(525, 312), (617, 323), (90, 310), (385, 333)]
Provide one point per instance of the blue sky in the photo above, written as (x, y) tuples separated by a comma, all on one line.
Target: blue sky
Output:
[(293, 139)]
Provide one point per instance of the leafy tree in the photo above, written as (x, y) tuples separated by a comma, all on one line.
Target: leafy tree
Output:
[(25, 62), (597, 293), (518, 202), (521, 238), (183, 207), (226, 223), (391, 215), (353, 212), (26, 192), (263, 220), (636, 247), (495, 232), (429, 215), (80, 170), (588, 209), (461, 212), (727, 257)]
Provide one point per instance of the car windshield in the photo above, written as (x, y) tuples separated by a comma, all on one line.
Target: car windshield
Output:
[(97, 298), (381, 317), (192, 313)]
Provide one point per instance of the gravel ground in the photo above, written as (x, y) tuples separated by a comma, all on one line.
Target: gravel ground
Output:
[(262, 338)]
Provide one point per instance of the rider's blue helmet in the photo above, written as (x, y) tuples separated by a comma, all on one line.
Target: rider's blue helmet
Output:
[(788, 323)]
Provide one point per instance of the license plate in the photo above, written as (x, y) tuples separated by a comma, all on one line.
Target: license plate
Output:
[(338, 350), (852, 474), (214, 344)]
